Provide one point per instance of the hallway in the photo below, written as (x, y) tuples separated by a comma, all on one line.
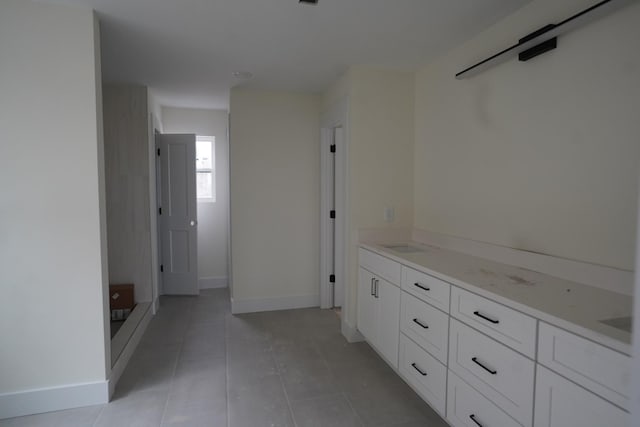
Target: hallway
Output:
[(198, 365)]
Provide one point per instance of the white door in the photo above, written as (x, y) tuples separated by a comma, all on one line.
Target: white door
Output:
[(388, 320), (332, 290), (561, 403), (366, 305), (178, 214)]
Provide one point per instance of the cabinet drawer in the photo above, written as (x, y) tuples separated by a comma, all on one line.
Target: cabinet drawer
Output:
[(508, 326), (383, 267), (422, 371), (434, 291), (559, 402), (597, 368), (502, 375), (468, 408), (426, 325)]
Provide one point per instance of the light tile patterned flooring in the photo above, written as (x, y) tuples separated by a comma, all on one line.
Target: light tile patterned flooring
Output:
[(198, 365)]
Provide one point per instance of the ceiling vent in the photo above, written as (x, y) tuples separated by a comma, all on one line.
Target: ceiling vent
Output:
[(308, 1)]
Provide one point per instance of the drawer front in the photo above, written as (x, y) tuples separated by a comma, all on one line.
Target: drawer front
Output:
[(424, 373), (468, 408), (597, 368), (434, 291), (508, 326), (426, 325), (504, 376), (383, 267), (559, 402)]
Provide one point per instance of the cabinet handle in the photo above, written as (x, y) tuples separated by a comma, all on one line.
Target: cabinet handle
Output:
[(372, 282), (488, 319), (377, 293), (420, 323), (415, 366), (424, 288), (475, 360), (473, 418)]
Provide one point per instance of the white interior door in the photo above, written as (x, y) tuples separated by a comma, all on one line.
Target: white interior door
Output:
[(332, 222), (178, 214)]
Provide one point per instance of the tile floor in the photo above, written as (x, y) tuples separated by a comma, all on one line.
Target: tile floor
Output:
[(198, 365)]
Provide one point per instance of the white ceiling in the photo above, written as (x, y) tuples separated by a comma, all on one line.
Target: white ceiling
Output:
[(186, 50)]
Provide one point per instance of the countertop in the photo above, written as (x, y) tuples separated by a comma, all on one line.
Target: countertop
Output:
[(573, 306)]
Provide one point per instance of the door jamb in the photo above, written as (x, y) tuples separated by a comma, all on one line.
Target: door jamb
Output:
[(336, 116)]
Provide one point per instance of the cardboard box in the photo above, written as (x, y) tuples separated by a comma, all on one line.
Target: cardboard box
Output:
[(121, 297)]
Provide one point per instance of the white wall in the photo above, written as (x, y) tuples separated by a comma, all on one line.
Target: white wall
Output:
[(52, 276), (539, 156), (380, 144), (213, 218), (275, 203)]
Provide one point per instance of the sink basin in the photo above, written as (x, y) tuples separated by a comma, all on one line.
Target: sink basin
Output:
[(622, 323), (405, 249)]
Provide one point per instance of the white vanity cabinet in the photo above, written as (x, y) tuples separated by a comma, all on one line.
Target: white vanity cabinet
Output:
[(480, 362), (379, 314)]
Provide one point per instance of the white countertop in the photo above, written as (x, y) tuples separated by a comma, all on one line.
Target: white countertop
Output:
[(569, 305)]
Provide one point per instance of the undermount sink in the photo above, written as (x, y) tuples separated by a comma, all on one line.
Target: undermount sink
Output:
[(403, 248), (622, 323)]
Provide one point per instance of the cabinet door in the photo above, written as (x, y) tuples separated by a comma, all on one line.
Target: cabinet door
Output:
[(561, 403), (366, 305), (388, 321)]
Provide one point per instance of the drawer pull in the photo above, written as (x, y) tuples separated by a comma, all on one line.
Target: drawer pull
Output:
[(424, 288), (415, 366), (473, 418), (372, 282), (475, 360), (488, 319), (420, 323)]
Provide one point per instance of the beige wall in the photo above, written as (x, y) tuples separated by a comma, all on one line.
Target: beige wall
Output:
[(213, 218), (380, 143), (540, 156), (275, 203), (52, 321)]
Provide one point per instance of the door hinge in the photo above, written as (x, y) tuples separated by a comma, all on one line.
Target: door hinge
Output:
[(332, 278), (161, 268), (332, 214), (159, 211), (158, 151), (333, 148)]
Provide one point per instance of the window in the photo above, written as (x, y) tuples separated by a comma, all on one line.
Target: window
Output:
[(206, 168)]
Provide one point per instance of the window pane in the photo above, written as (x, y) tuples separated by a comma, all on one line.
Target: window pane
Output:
[(206, 167), (204, 154), (204, 184)]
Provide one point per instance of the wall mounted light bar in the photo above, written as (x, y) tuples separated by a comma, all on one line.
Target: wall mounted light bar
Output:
[(544, 39)]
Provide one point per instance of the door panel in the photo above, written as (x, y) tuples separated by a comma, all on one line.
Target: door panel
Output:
[(178, 218), (366, 305), (388, 318)]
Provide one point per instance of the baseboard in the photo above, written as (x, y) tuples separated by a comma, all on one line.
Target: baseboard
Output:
[(350, 333), (125, 355), (253, 305), (213, 282), (53, 399)]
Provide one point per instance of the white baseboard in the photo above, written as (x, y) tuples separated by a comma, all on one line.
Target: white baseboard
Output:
[(271, 304), (350, 333), (130, 347), (213, 282), (53, 399)]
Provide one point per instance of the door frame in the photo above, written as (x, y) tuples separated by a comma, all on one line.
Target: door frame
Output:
[(335, 117)]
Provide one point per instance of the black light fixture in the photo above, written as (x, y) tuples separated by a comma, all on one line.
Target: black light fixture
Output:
[(544, 39)]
